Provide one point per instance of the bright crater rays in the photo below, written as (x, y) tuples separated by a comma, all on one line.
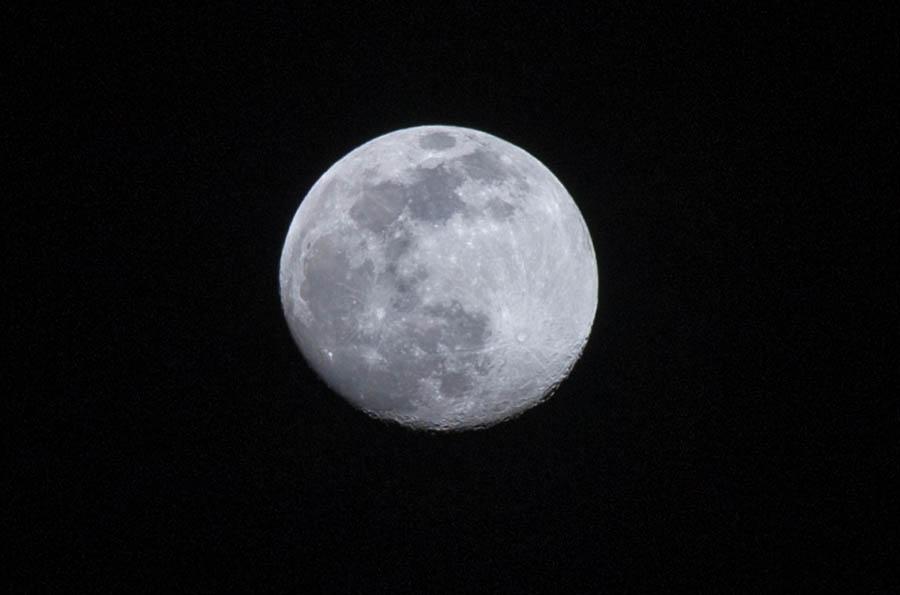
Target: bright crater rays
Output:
[(439, 277)]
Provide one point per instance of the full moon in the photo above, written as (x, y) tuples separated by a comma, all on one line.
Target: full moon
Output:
[(439, 277)]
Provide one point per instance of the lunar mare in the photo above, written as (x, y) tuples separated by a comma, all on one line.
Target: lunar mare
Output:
[(439, 277)]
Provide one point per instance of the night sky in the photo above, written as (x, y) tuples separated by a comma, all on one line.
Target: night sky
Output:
[(172, 437)]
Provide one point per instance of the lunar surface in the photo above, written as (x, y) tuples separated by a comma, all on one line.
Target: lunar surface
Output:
[(439, 277)]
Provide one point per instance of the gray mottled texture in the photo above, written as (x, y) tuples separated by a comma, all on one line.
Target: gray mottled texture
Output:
[(439, 277)]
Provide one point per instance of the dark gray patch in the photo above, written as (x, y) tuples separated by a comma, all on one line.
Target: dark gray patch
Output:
[(455, 384), (482, 364), (433, 196), (500, 209), (332, 288), (437, 141), (394, 388), (388, 390), (379, 206), (463, 333), (456, 327), (484, 166), (428, 338), (405, 298)]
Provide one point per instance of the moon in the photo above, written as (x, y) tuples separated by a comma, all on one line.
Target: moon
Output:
[(439, 277)]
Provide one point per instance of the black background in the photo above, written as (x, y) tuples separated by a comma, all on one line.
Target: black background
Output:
[(171, 433)]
